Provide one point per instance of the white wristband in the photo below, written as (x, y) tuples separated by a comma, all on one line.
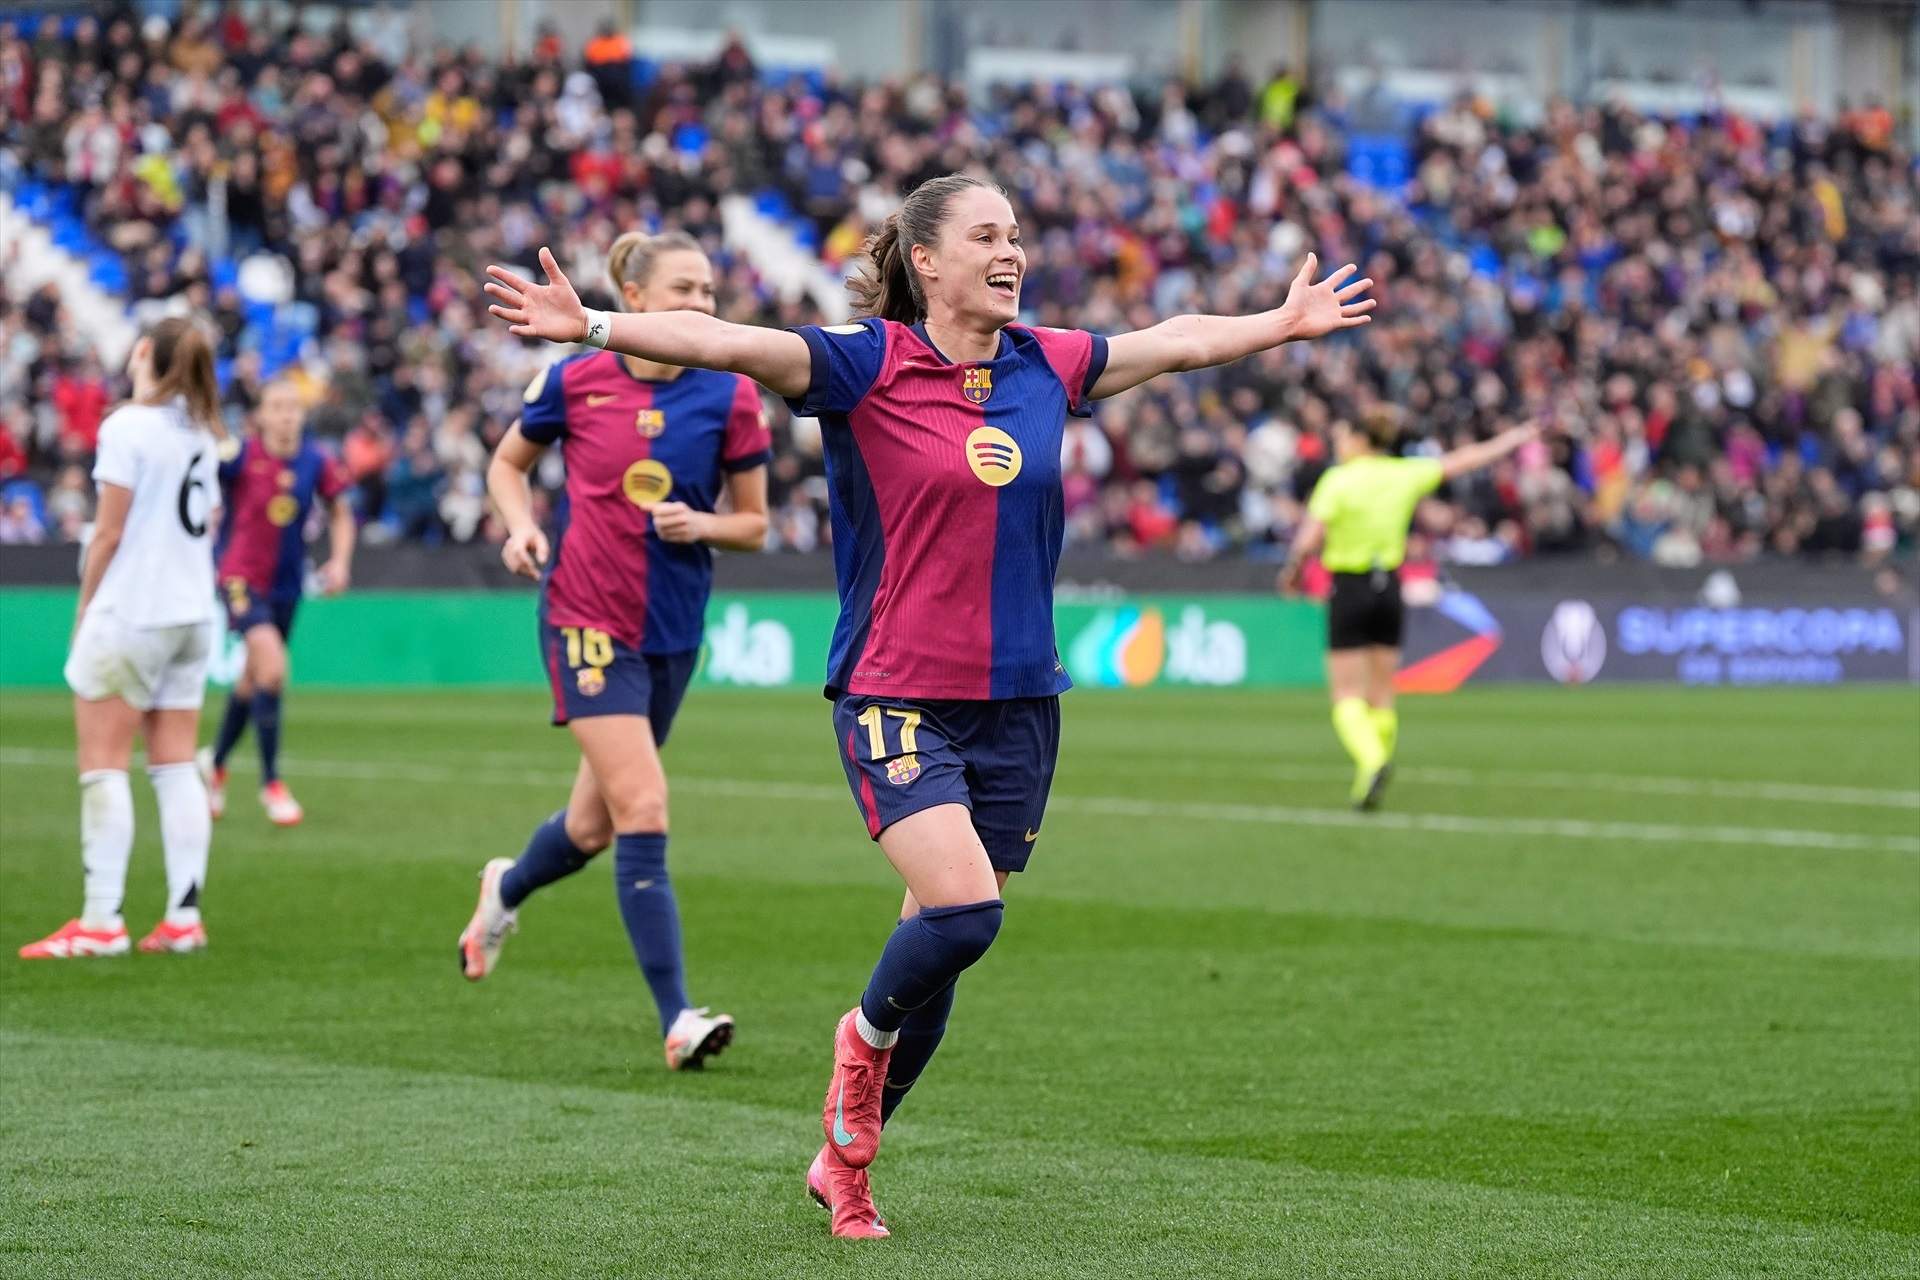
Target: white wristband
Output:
[(599, 329)]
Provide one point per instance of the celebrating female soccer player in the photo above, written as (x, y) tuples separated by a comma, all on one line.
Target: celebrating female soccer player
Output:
[(1359, 514), (270, 487), (649, 447), (142, 637), (943, 419)]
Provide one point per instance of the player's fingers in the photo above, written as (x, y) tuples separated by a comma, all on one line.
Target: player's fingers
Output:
[(509, 279), (551, 266), (522, 331), (1335, 280), (1307, 268), (494, 288), (1357, 287), (1359, 308), (512, 315), (1353, 322)]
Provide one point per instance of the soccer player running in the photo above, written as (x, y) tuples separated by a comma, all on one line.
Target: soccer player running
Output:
[(942, 419), (1357, 520), (650, 446), (270, 485), (142, 636)]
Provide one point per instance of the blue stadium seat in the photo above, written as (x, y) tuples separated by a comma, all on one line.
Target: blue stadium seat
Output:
[(690, 139), (1380, 160), (106, 269), (224, 273)]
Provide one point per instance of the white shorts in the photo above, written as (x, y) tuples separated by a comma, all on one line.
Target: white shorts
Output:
[(153, 668)]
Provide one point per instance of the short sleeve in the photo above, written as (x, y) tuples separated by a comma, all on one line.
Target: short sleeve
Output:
[(846, 360), (748, 442), (1325, 502), (117, 456), (1077, 358), (1425, 475), (543, 413), (233, 456), (333, 480)]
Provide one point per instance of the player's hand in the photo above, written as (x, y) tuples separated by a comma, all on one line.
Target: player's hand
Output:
[(678, 522), (1292, 577), (1312, 310), (334, 577), (525, 553), (551, 310)]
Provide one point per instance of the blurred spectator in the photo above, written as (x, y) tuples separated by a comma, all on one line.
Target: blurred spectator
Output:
[(1715, 320)]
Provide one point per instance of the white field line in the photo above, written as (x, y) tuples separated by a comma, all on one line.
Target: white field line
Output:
[(1248, 764), (1128, 807), (1630, 784)]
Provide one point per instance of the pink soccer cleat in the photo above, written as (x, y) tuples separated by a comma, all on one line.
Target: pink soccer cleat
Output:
[(282, 809), (73, 941), (845, 1194), (487, 931), (175, 938), (851, 1114)]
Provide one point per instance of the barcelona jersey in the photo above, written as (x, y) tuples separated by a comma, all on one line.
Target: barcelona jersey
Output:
[(946, 505), (629, 443), (263, 533)]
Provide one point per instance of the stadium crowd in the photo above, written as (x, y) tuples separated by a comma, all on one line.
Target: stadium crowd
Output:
[(1716, 321)]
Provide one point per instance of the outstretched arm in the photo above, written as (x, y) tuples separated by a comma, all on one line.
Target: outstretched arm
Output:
[(774, 358), (1197, 342), (1472, 457)]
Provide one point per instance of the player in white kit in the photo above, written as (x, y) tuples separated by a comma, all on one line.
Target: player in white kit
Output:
[(142, 637)]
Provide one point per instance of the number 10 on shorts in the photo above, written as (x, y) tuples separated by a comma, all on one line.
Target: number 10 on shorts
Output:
[(596, 647)]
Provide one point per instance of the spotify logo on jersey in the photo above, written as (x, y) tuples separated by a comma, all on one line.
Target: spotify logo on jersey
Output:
[(646, 482), (993, 455)]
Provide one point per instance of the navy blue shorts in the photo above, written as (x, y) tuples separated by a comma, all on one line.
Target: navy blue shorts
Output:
[(594, 674), (245, 610), (903, 755)]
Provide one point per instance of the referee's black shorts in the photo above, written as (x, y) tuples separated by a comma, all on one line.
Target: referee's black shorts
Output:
[(1365, 609)]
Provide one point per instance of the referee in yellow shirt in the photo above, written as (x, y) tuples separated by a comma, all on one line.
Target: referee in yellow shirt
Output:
[(1357, 520)]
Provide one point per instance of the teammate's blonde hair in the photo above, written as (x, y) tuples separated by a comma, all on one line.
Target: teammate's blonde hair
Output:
[(183, 366), (633, 256)]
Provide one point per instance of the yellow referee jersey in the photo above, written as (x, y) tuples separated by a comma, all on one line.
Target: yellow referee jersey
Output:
[(1367, 506)]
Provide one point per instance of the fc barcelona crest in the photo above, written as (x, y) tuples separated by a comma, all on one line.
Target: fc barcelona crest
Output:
[(903, 769), (977, 383), (592, 681), (650, 422)]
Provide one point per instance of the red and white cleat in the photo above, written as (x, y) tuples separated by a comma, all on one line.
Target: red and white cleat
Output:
[(73, 940), (175, 938), (851, 1115), (282, 809), (845, 1194), (215, 777), (695, 1036), (487, 931)]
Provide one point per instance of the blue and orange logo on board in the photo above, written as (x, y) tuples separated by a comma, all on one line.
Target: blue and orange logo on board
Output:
[(976, 383), (903, 769)]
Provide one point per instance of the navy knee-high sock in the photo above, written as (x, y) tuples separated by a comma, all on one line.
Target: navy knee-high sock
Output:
[(232, 725), (924, 955), (266, 728), (549, 856), (652, 918), (920, 1035)]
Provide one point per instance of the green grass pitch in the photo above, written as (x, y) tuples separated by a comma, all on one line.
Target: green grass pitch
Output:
[(1623, 983)]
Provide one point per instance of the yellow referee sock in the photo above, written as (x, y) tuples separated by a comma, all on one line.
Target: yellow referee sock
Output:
[(1353, 722), (1386, 722)]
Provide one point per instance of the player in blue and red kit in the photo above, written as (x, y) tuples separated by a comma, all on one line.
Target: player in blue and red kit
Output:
[(270, 486), (651, 448), (942, 419)]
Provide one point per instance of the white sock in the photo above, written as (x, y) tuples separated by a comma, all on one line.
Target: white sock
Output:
[(871, 1034), (106, 844), (186, 828)]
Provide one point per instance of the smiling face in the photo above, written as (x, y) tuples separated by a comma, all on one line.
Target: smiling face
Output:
[(681, 280), (278, 418), (972, 275)]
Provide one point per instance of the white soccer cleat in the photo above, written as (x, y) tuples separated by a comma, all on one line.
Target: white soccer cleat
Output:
[(487, 932), (282, 809), (216, 779), (696, 1036)]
